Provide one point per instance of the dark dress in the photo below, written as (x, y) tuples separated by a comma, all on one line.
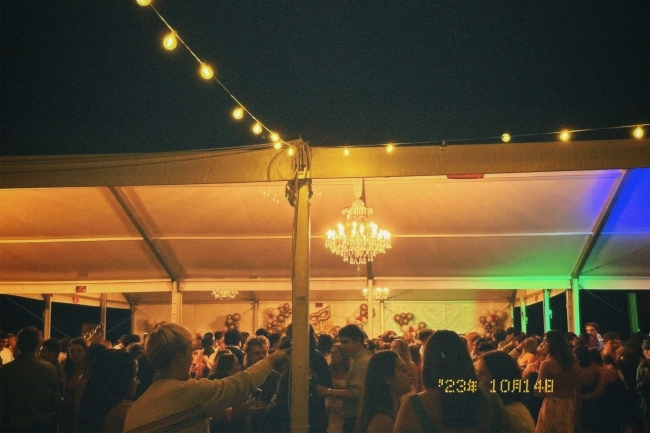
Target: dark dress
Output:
[(611, 408)]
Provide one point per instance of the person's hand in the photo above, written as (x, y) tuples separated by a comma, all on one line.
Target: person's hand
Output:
[(322, 391), (258, 408)]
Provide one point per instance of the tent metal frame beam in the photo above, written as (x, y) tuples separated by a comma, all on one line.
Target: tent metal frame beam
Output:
[(263, 165)]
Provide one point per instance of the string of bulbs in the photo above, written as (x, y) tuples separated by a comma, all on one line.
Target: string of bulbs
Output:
[(206, 71)]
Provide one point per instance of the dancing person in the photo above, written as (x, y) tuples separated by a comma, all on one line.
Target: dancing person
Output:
[(178, 403), (401, 347), (387, 380), (74, 367), (497, 371), (109, 392), (559, 384), (447, 403)]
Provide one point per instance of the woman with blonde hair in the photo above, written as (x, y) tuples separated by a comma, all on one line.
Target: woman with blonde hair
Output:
[(526, 350), (177, 403)]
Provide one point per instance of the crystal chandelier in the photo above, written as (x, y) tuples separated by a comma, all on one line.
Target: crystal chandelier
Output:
[(358, 241), (222, 295), (377, 293)]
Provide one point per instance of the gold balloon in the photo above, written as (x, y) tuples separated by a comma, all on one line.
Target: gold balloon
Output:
[(422, 325), (403, 315), (409, 316), (236, 317), (280, 328), (229, 322), (397, 318), (280, 318), (229, 316), (287, 306)]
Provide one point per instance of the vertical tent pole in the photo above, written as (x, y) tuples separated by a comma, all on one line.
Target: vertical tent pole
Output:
[(381, 316), (511, 304), (632, 312), (548, 314), (103, 300), (47, 317), (575, 296), (133, 321), (300, 301), (177, 303), (256, 315), (570, 319), (370, 324), (524, 318)]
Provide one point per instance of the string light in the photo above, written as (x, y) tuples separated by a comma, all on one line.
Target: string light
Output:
[(565, 135), (257, 128), (505, 137), (390, 148), (274, 137), (277, 145), (238, 113), (170, 41), (144, 2), (291, 151), (206, 71), (638, 132), (346, 151)]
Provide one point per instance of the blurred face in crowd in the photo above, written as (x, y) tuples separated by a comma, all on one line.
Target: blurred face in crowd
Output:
[(77, 353), (48, 356), (349, 346), (3, 343), (592, 331), (400, 383), (612, 345), (255, 354)]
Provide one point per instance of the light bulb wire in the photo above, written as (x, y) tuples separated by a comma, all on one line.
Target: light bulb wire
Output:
[(214, 77)]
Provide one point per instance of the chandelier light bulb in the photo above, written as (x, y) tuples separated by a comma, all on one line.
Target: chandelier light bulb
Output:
[(275, 137), (238, 113), (277, 145), (346, 151), (170, 42), (206, 71), (144, 2), (565, 135), (638, 132), (257, 128), (505, 137), (390, 148)]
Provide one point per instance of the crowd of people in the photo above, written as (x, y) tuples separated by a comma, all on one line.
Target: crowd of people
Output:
[(238, 382)]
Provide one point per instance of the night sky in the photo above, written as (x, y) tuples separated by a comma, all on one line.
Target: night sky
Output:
[(91, 76)]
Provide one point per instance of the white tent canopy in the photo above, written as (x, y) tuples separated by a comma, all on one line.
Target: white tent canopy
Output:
[(539, 216)]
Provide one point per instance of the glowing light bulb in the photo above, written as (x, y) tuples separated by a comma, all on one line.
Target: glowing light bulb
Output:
[(291, 151), (390, 148), (505, 137), (346, 151), (565, 135), (206, 71), (275, 137), (257, 128), (238, 113), (144, 2), (170, 41), (638, 132), (277, 145)]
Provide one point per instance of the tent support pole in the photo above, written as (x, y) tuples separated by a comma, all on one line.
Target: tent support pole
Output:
[(571, 326), (177, 303), (133, 321), (548, 314), (103, 300), (511, 306), (299, 397), (632, 312), (381, 316), (371, 322), (256, 315), (524, 318), (47, 317), (575, 297)]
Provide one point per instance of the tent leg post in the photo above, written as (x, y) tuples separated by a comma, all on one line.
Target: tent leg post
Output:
[(177, 303), (511, 306), (524, 318), (632, 312), (299, 397), (381, 317), (547, 309), (370, 324), (575, 297), (103, 300), (47, 317), (256, 315), (133, 321)]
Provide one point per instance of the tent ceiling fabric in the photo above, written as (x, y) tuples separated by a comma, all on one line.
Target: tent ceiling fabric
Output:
[(532, 226)]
